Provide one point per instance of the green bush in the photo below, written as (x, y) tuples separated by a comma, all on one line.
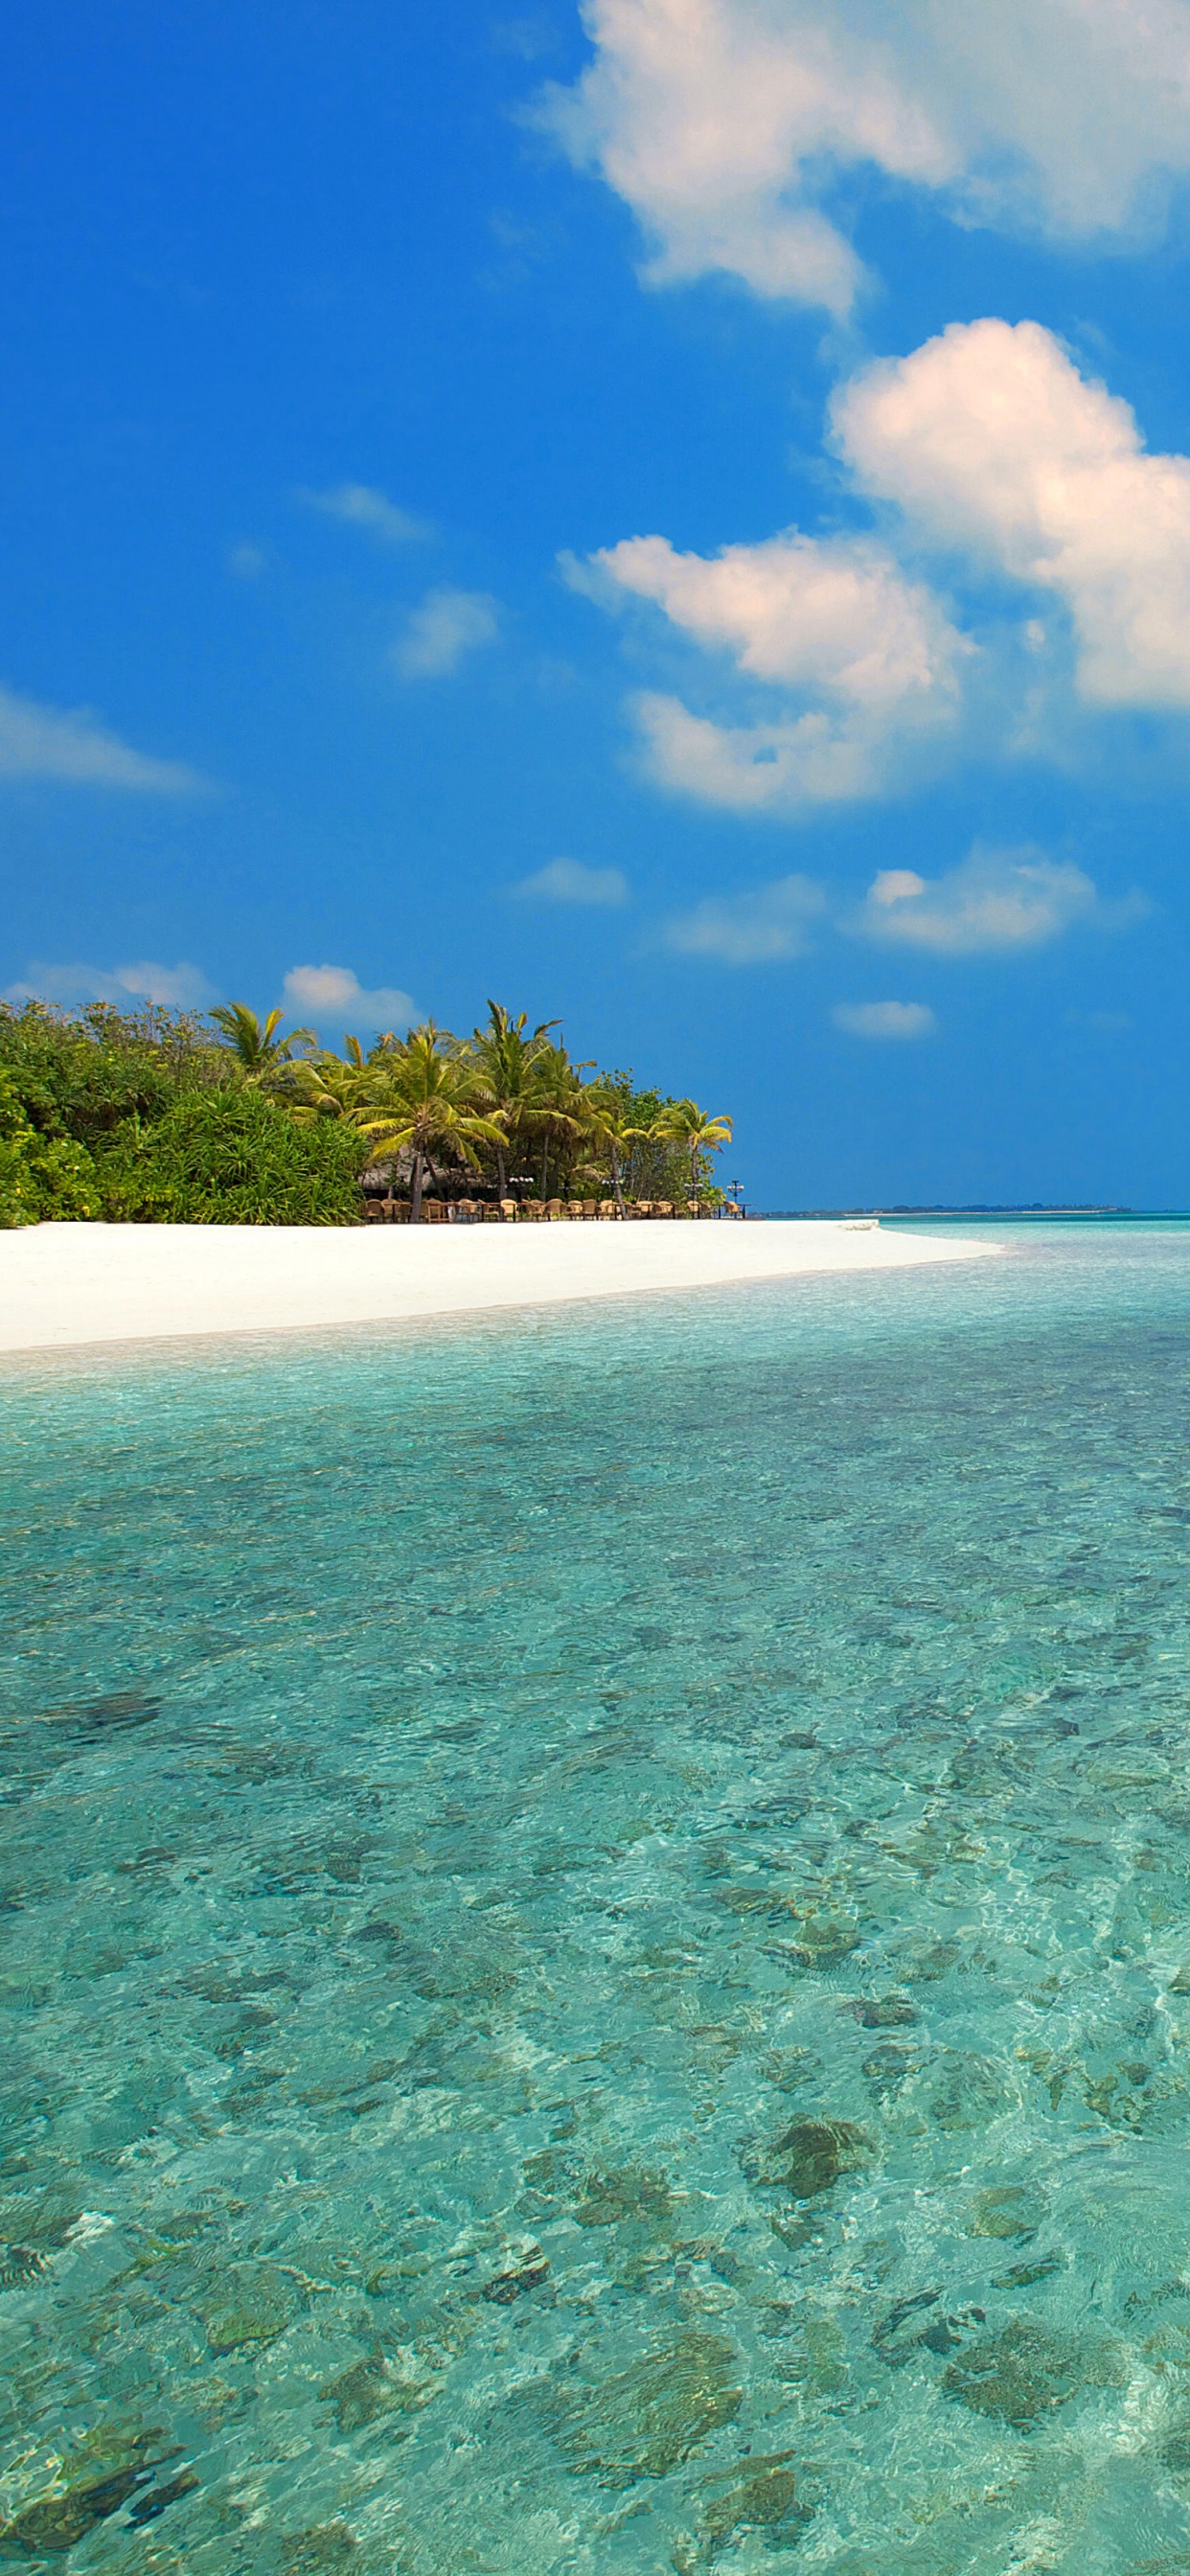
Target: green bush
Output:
[(40, 1176), (84, 1075), (233, 1158)]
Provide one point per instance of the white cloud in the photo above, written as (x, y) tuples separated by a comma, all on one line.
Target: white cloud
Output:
[(568, 881), (826, 613), (885, 1019), (827, 619), (181, 987), (336, 994), (755, 768), (358, 505), (73, 747), (997, 900), (990, 440), (725, 123), (448, 625), (757, 928)]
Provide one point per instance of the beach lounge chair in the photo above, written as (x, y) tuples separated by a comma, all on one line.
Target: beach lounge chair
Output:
[(607, 1207), (554, 1211), (662, 1207), (508, 1211)]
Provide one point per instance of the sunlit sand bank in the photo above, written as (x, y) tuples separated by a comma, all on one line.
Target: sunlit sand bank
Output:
[(62, 1286)]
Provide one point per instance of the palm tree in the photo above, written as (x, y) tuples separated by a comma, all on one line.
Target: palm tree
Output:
[(352, 1086), (555, 1110), (429, 1097), (505, 1060), (684, 1123), (612, 1122), (260, 1050)]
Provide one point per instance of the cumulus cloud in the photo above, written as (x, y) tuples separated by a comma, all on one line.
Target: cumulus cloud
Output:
[(828, 613), (724, 124), (885, 1019), (827, 619), (334, 993), (181, 987), (359, 505), (74, 748), (448, 625), (990, 440), (756, 928), (831, 670), (568, 881), (997, 900)]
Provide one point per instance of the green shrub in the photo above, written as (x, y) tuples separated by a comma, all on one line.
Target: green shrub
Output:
[(85, 1075), (40, 1176), (233, 1157)]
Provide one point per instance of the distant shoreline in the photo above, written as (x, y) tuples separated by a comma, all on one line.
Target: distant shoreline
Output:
[(68, 1287), (823, 1216)]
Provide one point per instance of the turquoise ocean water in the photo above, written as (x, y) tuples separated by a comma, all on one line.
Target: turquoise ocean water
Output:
[(596, 1918)]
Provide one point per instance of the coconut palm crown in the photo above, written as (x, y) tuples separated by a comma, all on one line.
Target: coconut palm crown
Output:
[(428, 1095), (508, 1065), (260, 1050), (686, 1124)]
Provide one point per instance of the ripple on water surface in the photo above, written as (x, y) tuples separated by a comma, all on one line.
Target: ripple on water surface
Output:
[(597, 1939)]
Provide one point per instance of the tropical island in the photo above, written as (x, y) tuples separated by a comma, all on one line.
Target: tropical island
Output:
[(160, 1117)]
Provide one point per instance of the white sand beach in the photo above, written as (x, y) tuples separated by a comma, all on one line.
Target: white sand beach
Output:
[(64, 1286)]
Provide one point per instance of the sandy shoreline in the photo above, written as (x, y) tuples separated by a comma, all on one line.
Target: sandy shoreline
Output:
[(64, 1286)]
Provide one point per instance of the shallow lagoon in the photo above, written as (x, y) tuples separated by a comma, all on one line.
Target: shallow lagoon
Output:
[(597, 1938)]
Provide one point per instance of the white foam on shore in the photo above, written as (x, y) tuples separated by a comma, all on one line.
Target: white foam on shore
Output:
[(63, 1286)]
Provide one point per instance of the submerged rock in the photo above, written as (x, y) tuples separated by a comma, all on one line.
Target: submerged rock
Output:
[(115, 1709), (919, 2324), (626, 2192), (252, 2304), (970, 2091), (55, 2522), (822, 1939), (517, 2282), (373, 2388), (643, 2421), (19, 2265), (813, 2155), (890, 2066), (1014, 2211), (1022, 2373), (158, 2499), (753, 2496), (318, 2550), (883, 2012)]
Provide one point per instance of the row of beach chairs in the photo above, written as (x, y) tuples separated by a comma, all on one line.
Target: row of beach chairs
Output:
[(531, 1211)]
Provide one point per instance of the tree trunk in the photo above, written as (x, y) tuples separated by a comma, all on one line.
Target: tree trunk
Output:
[(501, 1174), (415, 1190), (616, 1177), (545, 1165)]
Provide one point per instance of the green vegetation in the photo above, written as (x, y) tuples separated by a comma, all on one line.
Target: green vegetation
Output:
[(160, 1116)]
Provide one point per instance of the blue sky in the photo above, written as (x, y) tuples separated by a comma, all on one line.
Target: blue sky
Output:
[(676, 515)]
